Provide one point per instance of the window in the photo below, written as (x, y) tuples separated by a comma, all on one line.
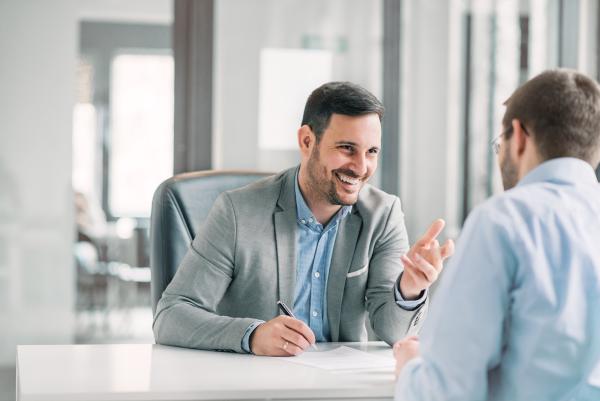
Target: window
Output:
[(141, 134)]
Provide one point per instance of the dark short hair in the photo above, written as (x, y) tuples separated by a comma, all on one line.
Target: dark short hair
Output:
[(340, 98), (561, 110)]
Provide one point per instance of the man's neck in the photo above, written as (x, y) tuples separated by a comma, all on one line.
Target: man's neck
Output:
[(530, 161), (321, 208)]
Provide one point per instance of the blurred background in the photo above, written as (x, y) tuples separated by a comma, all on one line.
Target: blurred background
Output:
[(101, 100)]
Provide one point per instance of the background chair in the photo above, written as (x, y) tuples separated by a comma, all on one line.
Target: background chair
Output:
[(180, 205)]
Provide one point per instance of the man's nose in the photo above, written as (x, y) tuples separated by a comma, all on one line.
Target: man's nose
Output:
[(360, 165)]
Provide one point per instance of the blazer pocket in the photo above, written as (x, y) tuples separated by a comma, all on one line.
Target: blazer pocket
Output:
[(358, 272)]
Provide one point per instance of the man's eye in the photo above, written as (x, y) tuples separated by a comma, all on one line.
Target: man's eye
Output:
[(349, 148), (374, 151)]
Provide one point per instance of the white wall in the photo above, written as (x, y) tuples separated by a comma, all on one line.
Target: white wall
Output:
[(243, 28), (136, 11), (38, 52), (431, 98)]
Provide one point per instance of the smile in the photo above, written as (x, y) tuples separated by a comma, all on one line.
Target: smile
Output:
[(347, 180)]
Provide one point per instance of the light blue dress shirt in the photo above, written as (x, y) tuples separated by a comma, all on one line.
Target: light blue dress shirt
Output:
[(314, 247), (517, 313)]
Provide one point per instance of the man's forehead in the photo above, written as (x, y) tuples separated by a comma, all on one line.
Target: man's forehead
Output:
[(361, 139), (348, 118), (358, 130)]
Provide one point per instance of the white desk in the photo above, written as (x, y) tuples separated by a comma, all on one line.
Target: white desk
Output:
[(156, 372)]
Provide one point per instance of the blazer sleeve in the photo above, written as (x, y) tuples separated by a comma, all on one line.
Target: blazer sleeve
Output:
[(186, 314), (389, 321)]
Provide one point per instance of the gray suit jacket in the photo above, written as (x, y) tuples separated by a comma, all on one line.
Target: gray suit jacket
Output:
[(243, 260)]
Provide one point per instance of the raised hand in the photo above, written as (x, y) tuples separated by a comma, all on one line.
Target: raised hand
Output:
[(424, 261)]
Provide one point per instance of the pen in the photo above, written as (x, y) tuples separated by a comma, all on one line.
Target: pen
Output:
[(287, 311)]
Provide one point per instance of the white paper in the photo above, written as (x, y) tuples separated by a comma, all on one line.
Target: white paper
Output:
[(343, 358)]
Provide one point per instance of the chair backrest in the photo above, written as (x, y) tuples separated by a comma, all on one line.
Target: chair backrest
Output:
[(180, 205)]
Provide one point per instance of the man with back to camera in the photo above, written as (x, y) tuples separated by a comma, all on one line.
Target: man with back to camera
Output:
[(316, 237), (527, 266)]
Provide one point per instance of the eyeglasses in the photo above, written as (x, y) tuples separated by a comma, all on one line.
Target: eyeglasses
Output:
[(495, 143)]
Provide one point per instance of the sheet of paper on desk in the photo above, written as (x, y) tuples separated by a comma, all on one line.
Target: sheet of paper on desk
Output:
[(343, 358)]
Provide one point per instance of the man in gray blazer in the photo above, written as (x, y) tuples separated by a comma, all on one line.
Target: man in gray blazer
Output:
[(316, 237)]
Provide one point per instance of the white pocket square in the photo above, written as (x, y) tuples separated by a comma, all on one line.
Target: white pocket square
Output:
[(358, 272)]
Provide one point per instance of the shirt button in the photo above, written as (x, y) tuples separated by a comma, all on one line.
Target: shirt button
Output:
[(310, 220), (317, 274), (315, 313), (303, 221)]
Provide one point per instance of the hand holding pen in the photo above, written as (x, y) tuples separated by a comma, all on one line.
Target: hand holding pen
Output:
[(281, 336), (286, 310)]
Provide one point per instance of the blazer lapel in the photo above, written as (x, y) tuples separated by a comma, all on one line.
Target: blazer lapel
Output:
[(343, 251), (285, 238)]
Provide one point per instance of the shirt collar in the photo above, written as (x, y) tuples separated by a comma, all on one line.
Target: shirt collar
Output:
[(566, 170), (304, 213)]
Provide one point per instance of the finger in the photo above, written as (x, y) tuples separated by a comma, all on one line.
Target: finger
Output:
[(405, 341), (289, 348), (300, 327), (407, 262), (432, 232), (447, 249), (412, 270), (295, 338), (426, 268), (433, 255), (398, 347)]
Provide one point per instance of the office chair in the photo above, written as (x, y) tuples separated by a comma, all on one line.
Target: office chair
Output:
[(180, 205)]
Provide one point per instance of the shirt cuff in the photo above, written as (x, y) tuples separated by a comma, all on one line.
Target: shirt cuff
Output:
[(247, 334), (408, 305)]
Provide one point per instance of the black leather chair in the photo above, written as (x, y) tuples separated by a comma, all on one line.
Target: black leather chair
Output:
[(180, 205)]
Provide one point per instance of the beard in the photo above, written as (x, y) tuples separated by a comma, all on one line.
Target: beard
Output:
[(322, 186), (508, 170)]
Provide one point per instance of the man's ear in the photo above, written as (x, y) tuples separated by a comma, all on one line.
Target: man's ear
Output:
[(519, 137), (306, 140)]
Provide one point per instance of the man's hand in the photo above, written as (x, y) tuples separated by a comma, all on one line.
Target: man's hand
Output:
[(404, 351), (424, 262), (282, 336)]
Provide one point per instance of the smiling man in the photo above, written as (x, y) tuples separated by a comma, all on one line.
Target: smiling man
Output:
[(317, 237)]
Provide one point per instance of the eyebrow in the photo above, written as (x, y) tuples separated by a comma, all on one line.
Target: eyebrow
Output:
[(353, 144)]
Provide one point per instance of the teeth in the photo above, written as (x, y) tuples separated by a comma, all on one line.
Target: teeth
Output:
[(348, 180)]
